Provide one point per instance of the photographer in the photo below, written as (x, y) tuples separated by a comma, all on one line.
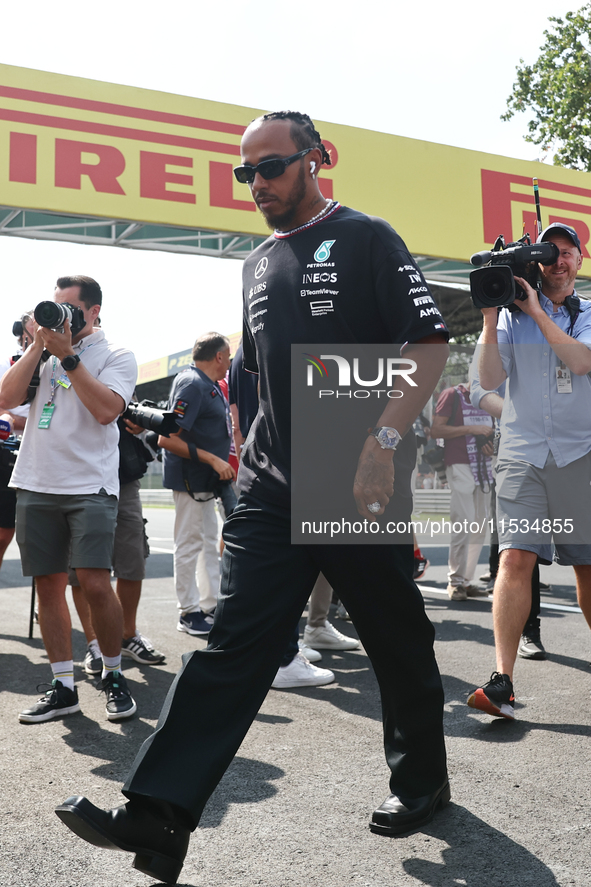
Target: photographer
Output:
[(543, 473), (467, 434), (67, 485), (196, 469)]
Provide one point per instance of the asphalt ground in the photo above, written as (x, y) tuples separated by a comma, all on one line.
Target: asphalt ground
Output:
[(294, 807)]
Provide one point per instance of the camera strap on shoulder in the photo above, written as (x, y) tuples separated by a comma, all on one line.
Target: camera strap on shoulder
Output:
[(573, 306)]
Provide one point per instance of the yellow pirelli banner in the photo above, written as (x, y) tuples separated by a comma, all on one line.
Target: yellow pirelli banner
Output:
[(83, 147)]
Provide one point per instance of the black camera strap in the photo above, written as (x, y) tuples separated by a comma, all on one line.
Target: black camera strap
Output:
[(573, 306)]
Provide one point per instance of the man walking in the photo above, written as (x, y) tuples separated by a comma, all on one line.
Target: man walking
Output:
[(543, 473), (266, 580)]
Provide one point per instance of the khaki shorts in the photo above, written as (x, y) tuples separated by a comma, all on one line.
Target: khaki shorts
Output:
[(48, 526), (131, 543), (538, 506)]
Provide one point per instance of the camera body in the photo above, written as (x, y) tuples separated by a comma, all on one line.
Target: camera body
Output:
[(53, 315), (494, 285), (147, 415)]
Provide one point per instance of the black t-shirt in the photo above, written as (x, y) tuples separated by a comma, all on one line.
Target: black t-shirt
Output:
[(200, 410), (242, 390), (348, 278)]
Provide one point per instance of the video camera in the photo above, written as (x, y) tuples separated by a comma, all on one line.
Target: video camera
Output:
[(147, 415), (53, 315), (494, 286)]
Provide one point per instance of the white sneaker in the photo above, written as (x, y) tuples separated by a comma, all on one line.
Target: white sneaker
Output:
[(328, 638), (310, 654), (301, 673), (342, 613)]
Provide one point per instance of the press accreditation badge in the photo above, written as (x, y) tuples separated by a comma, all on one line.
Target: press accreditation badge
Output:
[(563, 380), (46, 414), (64, 381)]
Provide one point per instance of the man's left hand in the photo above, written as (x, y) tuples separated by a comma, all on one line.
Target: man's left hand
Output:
[(57, 343), (374, 480), (133, 429), (531, 305)]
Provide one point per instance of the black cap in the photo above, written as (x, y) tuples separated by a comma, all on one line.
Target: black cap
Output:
[(560, 226)]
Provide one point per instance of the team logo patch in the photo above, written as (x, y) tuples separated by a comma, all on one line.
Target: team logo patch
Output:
[(261, 267), (180, 408), (322, 254)]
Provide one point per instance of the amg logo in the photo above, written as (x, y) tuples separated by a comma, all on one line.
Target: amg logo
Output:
[(423, 300), (426, 312)]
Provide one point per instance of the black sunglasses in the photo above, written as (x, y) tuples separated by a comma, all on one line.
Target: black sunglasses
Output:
[(267, 169)]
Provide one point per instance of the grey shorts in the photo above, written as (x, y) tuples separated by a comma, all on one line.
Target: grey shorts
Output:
[(48, 526), (536, 506), (131, 543)]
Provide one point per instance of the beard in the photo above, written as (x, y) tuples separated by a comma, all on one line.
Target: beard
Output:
[(283, 213)]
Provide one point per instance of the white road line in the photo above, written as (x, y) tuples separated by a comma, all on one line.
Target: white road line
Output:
[(561, 607)]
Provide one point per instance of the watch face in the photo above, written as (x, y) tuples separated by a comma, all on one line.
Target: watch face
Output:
[(388, 438)]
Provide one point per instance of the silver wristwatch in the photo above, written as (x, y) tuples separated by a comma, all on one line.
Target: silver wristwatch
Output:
[(388, 438)]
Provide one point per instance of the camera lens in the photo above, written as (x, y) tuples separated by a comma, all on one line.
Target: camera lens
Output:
[(492, 287), (50, 314)]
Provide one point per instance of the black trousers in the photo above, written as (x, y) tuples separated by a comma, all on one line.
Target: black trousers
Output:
[(266, 582)]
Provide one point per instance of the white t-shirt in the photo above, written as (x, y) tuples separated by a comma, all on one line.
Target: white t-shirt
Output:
[(76, 454)]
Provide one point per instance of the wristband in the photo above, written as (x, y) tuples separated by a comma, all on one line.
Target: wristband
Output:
[(193, 453)]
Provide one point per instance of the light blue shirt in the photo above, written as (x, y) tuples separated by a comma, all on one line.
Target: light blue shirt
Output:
[(536, 418)]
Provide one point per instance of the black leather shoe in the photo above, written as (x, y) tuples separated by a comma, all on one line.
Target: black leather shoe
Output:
[(397, 816), (160, 846)]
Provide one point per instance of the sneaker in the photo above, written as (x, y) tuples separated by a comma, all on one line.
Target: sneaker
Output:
[(486, 577), (545, 586), (92, 664), (342, 613), (56, 702), (196, 623), (301, 673), (530, 642), (328, 638), (120, 703), (421, 564), (310, 654), (141, 649), (496, 698), (490, 585), (457, 593), (475, 591)]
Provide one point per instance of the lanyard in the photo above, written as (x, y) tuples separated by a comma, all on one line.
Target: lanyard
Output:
[(55, 382)]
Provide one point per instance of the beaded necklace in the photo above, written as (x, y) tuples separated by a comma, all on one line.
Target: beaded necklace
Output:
[(330, 207)]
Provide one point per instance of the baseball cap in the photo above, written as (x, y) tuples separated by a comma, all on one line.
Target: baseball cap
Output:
[(560, 226)]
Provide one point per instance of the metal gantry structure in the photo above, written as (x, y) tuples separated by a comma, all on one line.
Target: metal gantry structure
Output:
[(446, 277)]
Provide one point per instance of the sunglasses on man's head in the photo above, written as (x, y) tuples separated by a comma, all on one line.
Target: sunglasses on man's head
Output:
[(267, 169)]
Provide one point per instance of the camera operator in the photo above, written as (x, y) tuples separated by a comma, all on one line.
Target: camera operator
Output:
[(67, 485), (543, 473)]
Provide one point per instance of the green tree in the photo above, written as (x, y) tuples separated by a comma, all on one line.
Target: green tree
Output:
[(557, 90)]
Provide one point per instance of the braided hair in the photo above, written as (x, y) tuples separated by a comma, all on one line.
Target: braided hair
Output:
[(303, 131)]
